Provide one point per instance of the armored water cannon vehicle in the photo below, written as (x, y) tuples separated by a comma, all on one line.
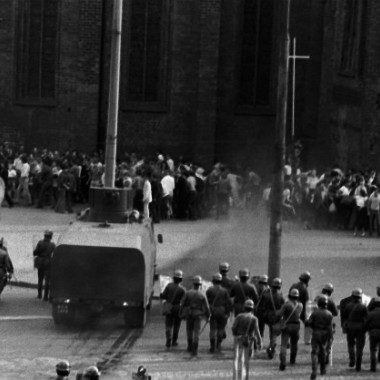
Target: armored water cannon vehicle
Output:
[(99, 265)]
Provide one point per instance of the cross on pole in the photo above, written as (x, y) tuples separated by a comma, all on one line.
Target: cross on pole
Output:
[(294, 57)]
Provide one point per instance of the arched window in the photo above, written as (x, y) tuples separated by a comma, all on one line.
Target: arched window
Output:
[(255, 72), (37, 50)]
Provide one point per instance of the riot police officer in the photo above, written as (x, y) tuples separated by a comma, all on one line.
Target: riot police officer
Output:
[(42, 259), (354, 315), (372, 325), (242, 291), (291, 314), (63, 370), (220, 307), (227, 282), (262, 289), (172, 294), (6, 265), (320, 322), (302, 287), (272, 302), (91, 373), (194, 307)]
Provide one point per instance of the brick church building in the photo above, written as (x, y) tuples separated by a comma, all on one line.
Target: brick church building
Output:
[(198, 78)]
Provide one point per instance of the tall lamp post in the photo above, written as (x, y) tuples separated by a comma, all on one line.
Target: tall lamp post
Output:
[(274, 261)]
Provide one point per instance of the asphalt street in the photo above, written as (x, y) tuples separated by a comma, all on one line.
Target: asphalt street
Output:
[(33, 345)]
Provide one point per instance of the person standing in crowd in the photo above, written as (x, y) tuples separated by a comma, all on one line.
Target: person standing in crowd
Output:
[(4, 175), (227, 282), (168, 186), (66, 189), (373, 206), (181, 194), (291, 315), (223, 192), (374, 299), (220, 307), (245, 330), (46, 181), (320, 322), (272, 301), (302, 287), (241, 291), (6, 265), (372, 325), (354, 315), (147, 194), (23, 187), (172, 295), (42, 260), (192, 195), (194, 307)]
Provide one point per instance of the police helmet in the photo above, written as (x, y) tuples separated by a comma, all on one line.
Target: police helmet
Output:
[(263, 279), (329, 288), (224, 267), (178, 274), (217, 278), (63, 368), (305, 276), (249, 305), (322, 301), (244, 272), (48, 233), (91, 373), (277, 282), (357, 293), (294, 293), (141, 370), (197, 280)]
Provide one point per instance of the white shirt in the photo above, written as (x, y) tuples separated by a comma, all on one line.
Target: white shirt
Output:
[(25, 170), (374, 202), (147, 192), (168, 185)]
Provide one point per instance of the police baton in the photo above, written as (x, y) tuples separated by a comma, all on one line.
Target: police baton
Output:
[(204, 326)]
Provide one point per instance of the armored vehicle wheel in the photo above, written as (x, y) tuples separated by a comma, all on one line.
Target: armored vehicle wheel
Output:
[(135, 317), (61, 318)]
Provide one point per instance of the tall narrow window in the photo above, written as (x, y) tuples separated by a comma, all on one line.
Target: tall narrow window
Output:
[(145, 50), (256, 54), (354, 13), (37, 49)]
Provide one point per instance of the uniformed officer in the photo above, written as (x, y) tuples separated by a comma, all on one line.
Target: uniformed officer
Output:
[(302, 287), (42, 259), (242, 291), (372, 325), (327, 291), (321, 323), (262, 289), (291, 314), (227, 282), (245, 330), (194, 307), (91, 373), (6, 265), (354, 315), (63, 370), (272, 302), (374, 299), (220, 307), (173, 294)]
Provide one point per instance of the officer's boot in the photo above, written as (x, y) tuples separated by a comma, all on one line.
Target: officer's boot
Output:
[(194, 351), (219, 344), (168, 338), (189, 345), (314, 364), (282, 362), (358, 363), (351, 354), (212, 346), (293, 356), (175, 338)]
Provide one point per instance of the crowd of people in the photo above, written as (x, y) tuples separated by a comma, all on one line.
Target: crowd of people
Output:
[(256, 303), (181, 189)]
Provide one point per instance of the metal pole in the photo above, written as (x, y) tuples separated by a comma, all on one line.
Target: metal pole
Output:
[(274, 260), (113, 100), (294, 87)]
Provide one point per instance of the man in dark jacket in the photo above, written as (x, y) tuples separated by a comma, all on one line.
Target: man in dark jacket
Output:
[(321, 323), (354, 315), (6, 265), (372, 325), (42, 258)]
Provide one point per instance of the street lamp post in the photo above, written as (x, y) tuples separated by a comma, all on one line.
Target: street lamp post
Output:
[(274, 260)]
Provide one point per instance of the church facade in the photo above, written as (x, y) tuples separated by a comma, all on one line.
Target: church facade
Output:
[(198, 78)]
